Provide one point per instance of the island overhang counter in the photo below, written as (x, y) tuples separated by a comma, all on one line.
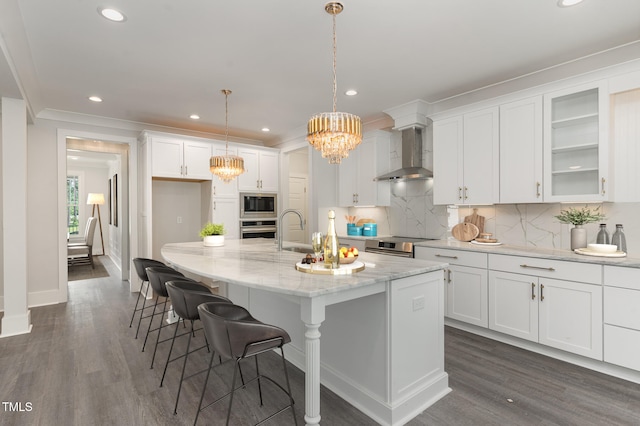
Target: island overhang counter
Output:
[(382, 328)]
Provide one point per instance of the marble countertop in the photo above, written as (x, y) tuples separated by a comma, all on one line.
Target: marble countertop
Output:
[(257, 263), (555, 254)]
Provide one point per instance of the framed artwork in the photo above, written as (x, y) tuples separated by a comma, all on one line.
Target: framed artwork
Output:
[(115, 199), (110, 203)]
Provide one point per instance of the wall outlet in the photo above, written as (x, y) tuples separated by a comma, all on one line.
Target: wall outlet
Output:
[(179, 219), (418, 303)]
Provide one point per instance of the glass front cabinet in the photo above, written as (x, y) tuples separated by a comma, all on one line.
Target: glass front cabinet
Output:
[(576, 144)]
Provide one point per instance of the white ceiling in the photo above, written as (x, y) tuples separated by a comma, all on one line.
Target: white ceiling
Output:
[(171, 58)]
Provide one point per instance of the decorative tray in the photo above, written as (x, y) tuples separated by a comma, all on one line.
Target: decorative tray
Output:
[(480, 243), (588, 252), (313, 268)]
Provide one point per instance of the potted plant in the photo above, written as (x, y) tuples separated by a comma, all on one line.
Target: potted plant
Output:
[(212, 234), (579, 217)]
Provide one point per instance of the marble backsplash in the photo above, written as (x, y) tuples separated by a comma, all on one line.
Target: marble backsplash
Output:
[(413, 214)]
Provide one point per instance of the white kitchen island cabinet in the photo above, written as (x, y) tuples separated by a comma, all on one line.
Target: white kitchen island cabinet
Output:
[(382, 329)]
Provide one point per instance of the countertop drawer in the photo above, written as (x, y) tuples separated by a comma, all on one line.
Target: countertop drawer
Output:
[(616, 276), (622, 346), (556, 269), (453, 257), (622, 307)]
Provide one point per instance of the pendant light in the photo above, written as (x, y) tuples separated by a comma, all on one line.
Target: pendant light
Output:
[(226, 167), (334, 134)]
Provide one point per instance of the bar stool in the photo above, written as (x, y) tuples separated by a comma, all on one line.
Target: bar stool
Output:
[(235, 335), (185, 297), (141, 264), (158, 276)]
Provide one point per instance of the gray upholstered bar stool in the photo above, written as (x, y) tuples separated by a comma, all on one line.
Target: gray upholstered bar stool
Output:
[(158, 276), (140, 264), (185, 297), (235, 335)]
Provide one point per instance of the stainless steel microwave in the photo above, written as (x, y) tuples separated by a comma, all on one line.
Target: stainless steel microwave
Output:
[(258, 205)]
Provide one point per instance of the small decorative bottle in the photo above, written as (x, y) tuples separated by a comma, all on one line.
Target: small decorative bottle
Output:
[(619, 239), (603, 235), (331, 245)]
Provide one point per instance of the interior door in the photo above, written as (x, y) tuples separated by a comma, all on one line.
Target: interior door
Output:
[(297, 201)]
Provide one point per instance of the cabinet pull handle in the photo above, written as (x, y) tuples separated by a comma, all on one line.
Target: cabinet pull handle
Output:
[(185, 170), (357, 197), (537, 267), (541, 292), (459, 193), (537, 189), (465, 192), (214, 205), (214, 190), (533, 287), (448, 275), (447, 257), (603, 181), (258, 183), (181, 168)]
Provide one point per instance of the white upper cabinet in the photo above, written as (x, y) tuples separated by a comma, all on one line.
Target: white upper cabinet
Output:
[(521, 151), (356, 186), (175, 158), (466, 152), (261, 170), (576, 144)]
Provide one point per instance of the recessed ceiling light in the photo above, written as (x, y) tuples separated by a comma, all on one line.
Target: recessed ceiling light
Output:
[(95, 98), (567, 3), (266, 129), (194, 117), (351, 92), (112, 14)]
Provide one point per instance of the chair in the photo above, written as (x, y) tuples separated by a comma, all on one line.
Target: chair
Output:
[(158, 276), (140, 264), (81, 253), (144, 276), (235, 335), (185, 297)]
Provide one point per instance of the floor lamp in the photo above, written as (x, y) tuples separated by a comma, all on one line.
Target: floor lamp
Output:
[(97, 200)]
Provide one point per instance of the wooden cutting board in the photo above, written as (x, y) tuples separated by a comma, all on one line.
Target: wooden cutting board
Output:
[(363, 221), (465, 231), (476, 219)]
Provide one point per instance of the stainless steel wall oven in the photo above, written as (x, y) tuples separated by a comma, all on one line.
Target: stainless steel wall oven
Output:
[(258, 228)]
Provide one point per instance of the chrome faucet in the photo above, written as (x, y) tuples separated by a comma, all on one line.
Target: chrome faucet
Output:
[(280, 224)]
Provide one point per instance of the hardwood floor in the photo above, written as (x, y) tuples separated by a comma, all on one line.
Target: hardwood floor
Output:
[(82, 366)]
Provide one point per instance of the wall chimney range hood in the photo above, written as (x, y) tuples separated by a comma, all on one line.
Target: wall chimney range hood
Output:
[(411, 159)]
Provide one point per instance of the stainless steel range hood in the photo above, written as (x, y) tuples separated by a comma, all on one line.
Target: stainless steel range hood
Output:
[(411, 158)]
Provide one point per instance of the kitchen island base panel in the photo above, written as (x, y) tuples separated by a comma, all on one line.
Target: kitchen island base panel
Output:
[(382, 352)]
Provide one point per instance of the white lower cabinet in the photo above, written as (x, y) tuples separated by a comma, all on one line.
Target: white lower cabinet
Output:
[(225, 211), (622, 316), (465, 283), (563, 314)]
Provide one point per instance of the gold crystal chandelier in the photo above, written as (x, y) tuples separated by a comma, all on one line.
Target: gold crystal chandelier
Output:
[(226, 167), (334, 134)]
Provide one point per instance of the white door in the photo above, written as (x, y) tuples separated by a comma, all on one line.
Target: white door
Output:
[(297, 201), (225, 211), (571, 317), (447, 161), (166, 157), (249, 180), (513, 304), (196, 160), (481, 154), (269, 171), (467, 295)]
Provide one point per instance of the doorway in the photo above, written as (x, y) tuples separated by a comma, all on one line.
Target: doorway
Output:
[(123, 244), (295, 194)]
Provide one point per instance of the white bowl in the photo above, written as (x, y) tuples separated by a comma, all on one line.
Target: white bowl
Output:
[(603, 248)]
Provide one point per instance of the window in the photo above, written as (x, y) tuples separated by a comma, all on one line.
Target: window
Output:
[(73, 205)]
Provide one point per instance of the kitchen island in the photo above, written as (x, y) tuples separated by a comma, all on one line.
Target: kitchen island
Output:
[(382, 328)]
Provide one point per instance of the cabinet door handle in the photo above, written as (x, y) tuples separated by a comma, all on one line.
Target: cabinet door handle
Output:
[(214, 190), (258, 183), (603, 181), (214, 205), (537, 267), (541, 292), (533, 294), (459, 193), (357, 198), (185, 170), (537, 189), (465, 192), (446, 257), (181, 170), (449, 275)]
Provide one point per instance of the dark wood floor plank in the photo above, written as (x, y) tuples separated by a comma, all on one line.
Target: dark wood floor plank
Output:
[(82, 366)]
